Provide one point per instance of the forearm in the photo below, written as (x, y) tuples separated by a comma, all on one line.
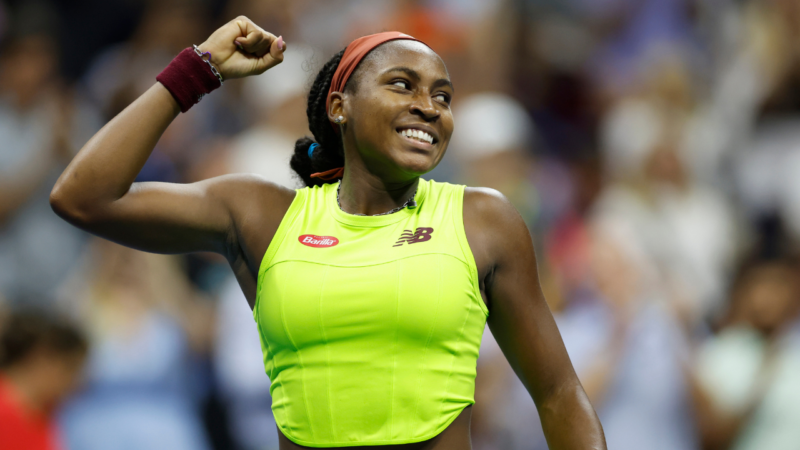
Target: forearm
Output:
[(570, 422), (105, 168)]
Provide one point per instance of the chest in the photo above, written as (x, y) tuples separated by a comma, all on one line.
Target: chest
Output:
[(324, 280), (412, 300), (400, 242)]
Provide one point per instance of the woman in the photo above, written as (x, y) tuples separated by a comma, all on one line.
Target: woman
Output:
[(370, 326)]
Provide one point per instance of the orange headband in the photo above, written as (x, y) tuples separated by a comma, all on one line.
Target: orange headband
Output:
[(355, 52)]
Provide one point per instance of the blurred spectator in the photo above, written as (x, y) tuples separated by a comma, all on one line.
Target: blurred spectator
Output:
[(42, 125), (122, 72), (240, 372), (145, 324), (684, 225), (41, 358), (745, 377), (491, 147), (504, 415), (627, 347), (435, 24), (329, 26)]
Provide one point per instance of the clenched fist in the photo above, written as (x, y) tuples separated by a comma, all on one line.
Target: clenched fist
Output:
[(241, 48)]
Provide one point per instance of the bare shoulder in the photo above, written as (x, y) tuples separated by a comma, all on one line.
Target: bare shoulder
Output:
[(256, 204), (247, 195), (491, 209), (494, 227), (257, 207), (239, 187)]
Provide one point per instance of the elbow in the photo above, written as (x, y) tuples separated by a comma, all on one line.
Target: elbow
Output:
[(66, 207)]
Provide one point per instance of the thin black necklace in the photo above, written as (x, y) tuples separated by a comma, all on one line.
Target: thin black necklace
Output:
[(410, 203)]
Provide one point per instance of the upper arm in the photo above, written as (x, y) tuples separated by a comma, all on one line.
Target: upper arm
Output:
[(519, 317), (177, 218)]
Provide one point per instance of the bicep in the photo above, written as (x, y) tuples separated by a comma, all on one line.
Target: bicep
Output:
[(168, 218), (177, 218)]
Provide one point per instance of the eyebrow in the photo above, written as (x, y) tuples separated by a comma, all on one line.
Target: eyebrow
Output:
[(413, 74)]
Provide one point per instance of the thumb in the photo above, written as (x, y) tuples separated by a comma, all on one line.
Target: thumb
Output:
[(277, 49), (275, 55)]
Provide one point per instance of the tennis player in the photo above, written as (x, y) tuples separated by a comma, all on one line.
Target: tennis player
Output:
[(371, 287)]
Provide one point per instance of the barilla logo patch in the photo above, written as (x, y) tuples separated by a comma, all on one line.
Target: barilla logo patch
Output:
[(312, 240)]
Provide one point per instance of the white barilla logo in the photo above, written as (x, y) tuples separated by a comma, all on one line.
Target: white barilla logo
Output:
[(312, 240)]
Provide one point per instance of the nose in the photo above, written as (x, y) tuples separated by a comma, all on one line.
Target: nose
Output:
[(423, 106)]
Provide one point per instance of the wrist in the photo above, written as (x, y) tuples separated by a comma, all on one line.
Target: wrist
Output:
[(214, 51), (206, 57), (189, 78)]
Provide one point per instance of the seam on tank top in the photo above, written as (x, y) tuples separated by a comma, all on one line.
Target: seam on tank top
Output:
[(302, 368), (453, 359), (396, 337), (421, 369), (327, 355), (457, 258), (269, 352), (270, 375)]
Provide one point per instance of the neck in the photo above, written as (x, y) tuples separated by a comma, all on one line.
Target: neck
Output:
[(363, 192)]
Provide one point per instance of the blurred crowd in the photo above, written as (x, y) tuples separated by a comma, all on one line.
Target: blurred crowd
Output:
[(652, 147)]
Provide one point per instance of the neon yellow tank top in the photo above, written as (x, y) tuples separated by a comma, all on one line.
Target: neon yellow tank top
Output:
[(370, 325)]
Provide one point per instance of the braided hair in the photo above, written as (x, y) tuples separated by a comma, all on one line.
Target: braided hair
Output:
[(330, 152)]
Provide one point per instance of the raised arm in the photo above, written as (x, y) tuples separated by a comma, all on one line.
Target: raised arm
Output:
[(522, 324), (97, 191)]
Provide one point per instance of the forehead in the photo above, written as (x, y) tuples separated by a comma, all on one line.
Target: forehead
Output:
[(404, 53)]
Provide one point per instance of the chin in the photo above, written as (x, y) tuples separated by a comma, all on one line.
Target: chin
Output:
[(418, 165), (416, 161)]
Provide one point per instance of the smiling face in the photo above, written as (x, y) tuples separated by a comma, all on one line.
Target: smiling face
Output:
[(397, 114)]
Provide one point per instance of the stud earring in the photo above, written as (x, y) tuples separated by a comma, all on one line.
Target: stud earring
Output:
[(338, 119)]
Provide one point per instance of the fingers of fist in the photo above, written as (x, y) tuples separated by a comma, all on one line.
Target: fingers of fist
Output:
[(244, 48), (253, 39)]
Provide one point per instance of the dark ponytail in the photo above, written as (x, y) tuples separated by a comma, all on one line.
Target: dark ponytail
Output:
[(330, 153)]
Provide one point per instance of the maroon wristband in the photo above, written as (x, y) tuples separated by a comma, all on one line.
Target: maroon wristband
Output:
[(188, 78)]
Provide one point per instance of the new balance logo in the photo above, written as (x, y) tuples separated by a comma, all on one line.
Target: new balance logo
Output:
[(421, 234)]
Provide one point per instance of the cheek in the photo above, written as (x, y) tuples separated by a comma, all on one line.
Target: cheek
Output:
[(447, 125), (374, 123)]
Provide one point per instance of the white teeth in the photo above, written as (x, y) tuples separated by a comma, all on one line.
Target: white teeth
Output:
[(418, 134)]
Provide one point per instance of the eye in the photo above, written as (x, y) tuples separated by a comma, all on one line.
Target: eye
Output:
[(443, 98), (401, 83)]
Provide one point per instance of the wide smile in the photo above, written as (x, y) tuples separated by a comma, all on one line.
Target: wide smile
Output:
[(417, 138)]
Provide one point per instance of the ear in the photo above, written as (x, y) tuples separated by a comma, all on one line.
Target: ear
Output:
[(336, 108)]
